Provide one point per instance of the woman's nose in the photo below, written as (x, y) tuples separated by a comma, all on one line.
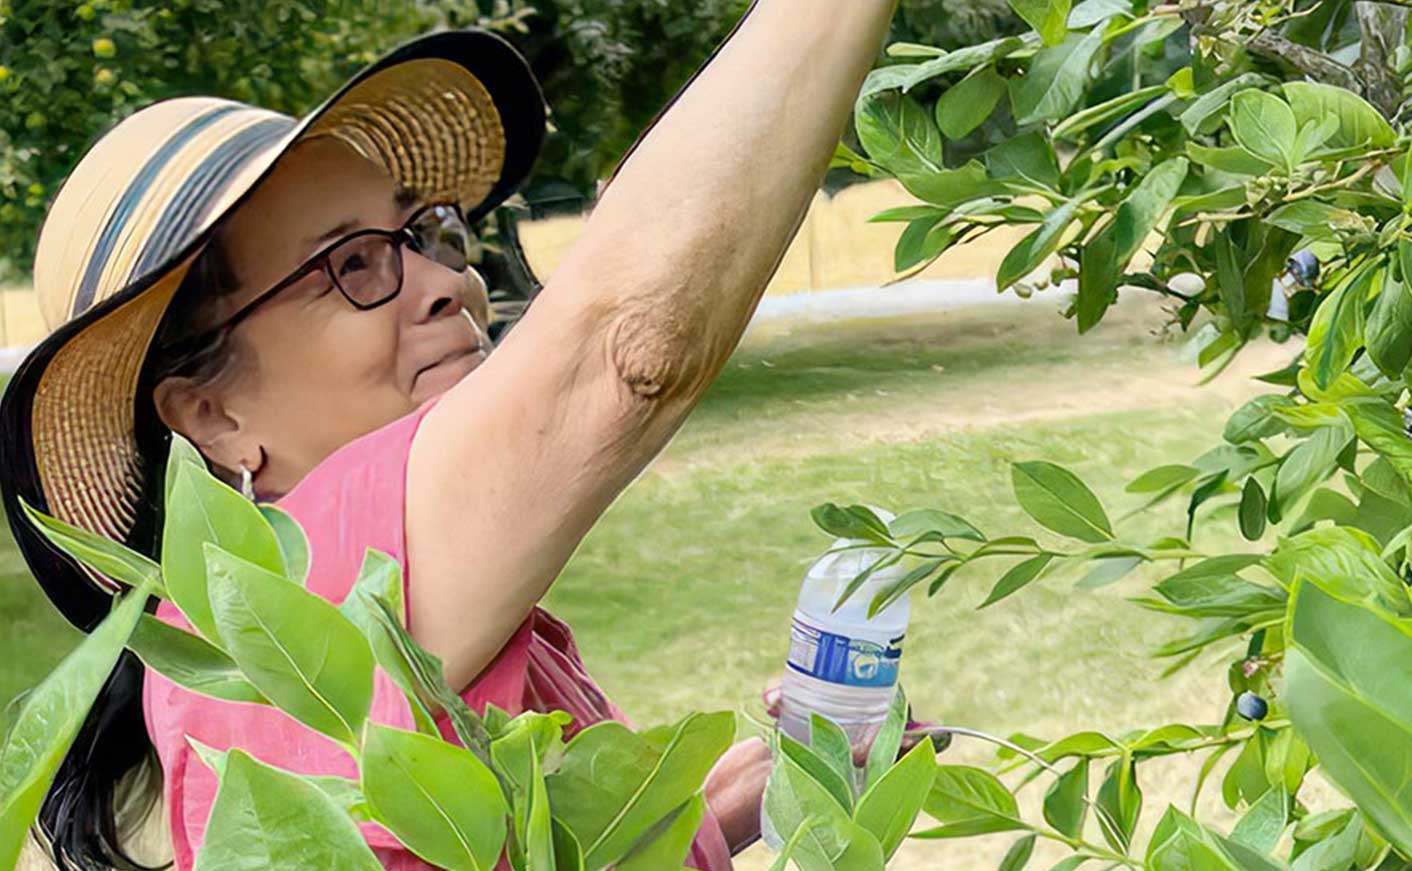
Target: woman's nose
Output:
[(431, 289)]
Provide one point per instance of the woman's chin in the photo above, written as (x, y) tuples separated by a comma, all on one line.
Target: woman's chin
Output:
[(443, 376)]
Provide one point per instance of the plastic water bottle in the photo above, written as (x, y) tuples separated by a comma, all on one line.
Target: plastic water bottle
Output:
[(842, 664)]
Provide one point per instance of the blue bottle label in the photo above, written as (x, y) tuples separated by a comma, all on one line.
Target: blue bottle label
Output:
[(854, 662)]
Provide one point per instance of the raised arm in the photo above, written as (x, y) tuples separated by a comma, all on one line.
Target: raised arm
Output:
[(696, 221), (519, 460)]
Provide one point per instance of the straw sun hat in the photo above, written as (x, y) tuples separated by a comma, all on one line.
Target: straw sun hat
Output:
[(455, 116)]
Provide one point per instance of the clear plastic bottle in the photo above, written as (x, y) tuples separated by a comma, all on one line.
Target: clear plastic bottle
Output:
[(841, 664)]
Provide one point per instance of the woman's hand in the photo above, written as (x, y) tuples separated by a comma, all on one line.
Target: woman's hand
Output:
[(915, 730), (735, 788)]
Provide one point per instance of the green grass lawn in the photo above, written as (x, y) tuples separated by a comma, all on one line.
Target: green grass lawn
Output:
[(681, 595)]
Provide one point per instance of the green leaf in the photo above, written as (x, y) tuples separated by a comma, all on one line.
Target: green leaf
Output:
[(899, 588), (1118, 804), (568, 854), (1211, 588), (967, 104), (1313, 219), (1252, 510), (50, 717), (1180, 843), (920, 520), (898, 134), (670, 847), (822, 835), (103, 554), (180, 451), (1019, 576), (205, 511), (1057, 78), (266, 818), (920, 241), (908, 213), (1346, 674), (1108, 570), (517, 755), (883, 751), (1261, 827), (1264, 125), (612, 785), (1066, 801), (1345, 563), (970, 801), (1078, 744), (889, 807), (829, 743), (191, 661), (293, 646), (1257, 419), (380, 576), (1308, 463), (426, 670), (437, 798), (1031, 252), (1379, 424), (1216, 100), (1336, 331), (293, 545), (1018, 856), (1106, 257), (1232, 159), (1049, 18), (962, 59), (859, 526), (1059, 501), (1359, 124), (1389, 331), (1162, 478), (838, 785), (1028, 158), (1070, 128)]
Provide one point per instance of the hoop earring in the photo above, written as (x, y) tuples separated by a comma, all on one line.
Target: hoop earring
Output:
[(247, 482)]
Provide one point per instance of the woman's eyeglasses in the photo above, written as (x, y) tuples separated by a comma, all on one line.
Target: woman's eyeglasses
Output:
[(366, 267)]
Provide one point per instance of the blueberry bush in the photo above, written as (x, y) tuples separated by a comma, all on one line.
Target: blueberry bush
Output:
[(1248, 161)]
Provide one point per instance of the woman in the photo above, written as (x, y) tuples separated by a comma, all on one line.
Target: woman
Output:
[(293, 298)]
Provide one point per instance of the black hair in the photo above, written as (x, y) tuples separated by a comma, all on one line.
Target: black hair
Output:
[(110, 779)]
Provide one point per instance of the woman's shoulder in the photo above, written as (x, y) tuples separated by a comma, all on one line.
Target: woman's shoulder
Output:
[(355, 499)]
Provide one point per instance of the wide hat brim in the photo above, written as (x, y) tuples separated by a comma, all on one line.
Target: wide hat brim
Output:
[(456, 114)]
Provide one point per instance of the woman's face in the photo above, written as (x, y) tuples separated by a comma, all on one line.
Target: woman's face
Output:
[(311, 372)]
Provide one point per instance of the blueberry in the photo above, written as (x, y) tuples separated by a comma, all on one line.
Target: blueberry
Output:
[(1252, 707), (1304, 268)]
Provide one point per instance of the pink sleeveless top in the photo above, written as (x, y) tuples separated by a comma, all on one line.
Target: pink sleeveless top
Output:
[(351, 501)]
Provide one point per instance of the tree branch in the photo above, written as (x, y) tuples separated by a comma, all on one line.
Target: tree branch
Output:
[(1382, 26), (1314, 64)]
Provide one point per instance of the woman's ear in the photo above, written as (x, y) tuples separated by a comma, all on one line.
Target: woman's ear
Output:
[(197, 412)]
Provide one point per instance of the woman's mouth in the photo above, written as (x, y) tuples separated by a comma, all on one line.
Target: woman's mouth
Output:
[(448, 371)]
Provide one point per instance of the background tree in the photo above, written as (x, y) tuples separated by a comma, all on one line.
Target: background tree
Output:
[(70, 70)]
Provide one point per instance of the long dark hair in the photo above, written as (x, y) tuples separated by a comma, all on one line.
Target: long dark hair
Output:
[(110, 780)]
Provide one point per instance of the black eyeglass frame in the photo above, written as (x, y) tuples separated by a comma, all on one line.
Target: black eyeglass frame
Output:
[(400, 237)]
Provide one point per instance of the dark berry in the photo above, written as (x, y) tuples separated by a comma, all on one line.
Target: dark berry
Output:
[(1251, 706), (1304, 268)]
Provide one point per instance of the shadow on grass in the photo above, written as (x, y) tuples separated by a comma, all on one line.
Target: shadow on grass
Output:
[(814, 362)]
